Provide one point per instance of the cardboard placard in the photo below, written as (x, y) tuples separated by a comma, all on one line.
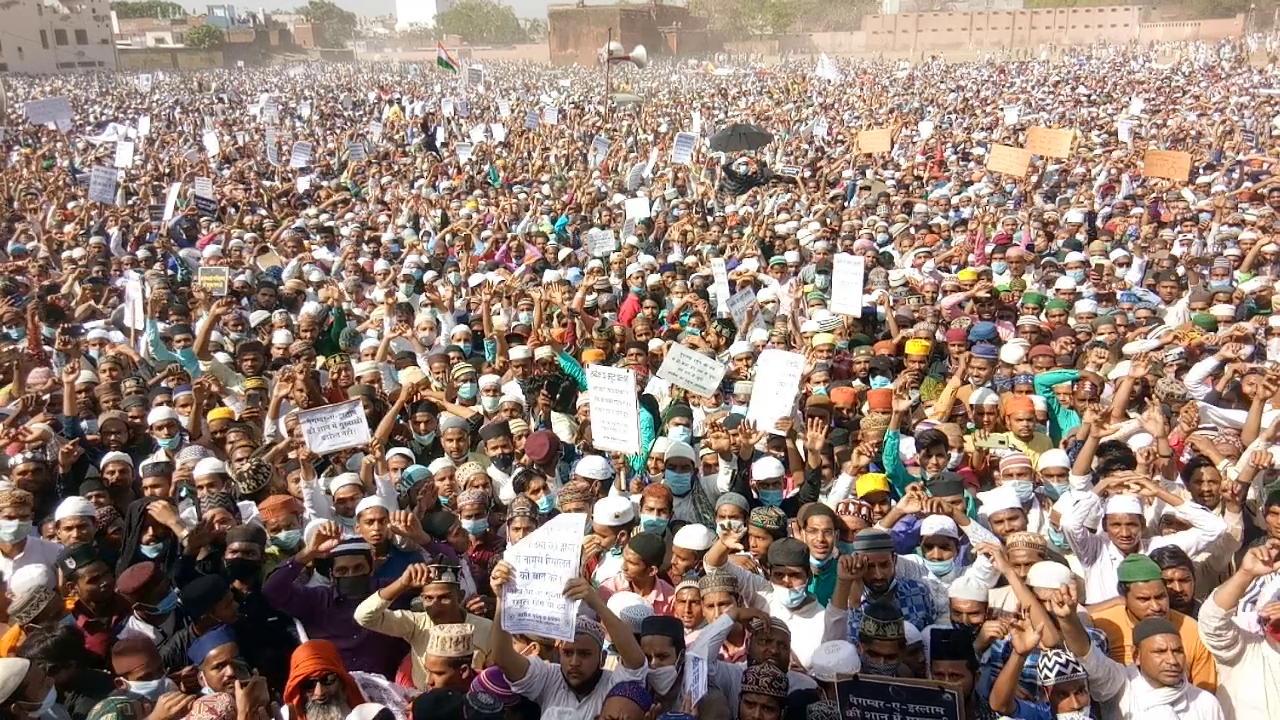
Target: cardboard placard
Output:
[(1008, 160), (1049, 142), (875, 141), (1167, 164)]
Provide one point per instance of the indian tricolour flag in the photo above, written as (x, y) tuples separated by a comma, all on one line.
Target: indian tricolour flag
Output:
[(445, 59)]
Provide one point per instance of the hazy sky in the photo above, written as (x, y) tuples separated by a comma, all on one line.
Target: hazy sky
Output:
[(368, 8)]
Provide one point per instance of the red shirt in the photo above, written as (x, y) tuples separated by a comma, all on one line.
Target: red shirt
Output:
[(100, 632)]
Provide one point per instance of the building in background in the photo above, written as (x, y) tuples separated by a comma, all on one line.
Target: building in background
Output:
[(48, 36)]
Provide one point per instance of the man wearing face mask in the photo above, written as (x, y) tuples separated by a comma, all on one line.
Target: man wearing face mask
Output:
[(26, 691), (154, 600), (500, 449), (326, 613), (267, 636), (136, 664), (18, 546), (786, 593)]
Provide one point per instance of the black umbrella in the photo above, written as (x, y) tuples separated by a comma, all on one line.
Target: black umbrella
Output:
[(740, 137)]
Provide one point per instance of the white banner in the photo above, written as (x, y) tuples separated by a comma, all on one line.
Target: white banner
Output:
[(691, 370), (773, 400), (533, 603), (615, 413), (847, 275), (334, 427)]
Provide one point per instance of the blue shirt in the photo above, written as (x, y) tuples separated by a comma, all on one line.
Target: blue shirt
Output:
[(998, 654), (912, 598)]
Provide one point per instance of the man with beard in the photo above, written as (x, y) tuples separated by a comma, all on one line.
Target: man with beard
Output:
[(769, 644), (319, 687), (578, 683)]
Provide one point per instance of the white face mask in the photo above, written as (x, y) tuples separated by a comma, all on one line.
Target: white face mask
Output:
[(1075, 715), (47, 704), (152, 689), (663, 678)]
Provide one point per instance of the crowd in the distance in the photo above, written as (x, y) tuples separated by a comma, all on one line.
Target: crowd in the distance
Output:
[(1035, 462)]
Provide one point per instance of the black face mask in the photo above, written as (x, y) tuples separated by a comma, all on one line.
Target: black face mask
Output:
[(354, 587), (504, 461), (245, 570)]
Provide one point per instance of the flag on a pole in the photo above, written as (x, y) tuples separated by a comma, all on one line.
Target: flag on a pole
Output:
[(445, 59)]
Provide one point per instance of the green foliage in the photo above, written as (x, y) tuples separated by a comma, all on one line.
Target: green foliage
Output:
[(482, 22), (334, 27), (204, 37), (160, 9)]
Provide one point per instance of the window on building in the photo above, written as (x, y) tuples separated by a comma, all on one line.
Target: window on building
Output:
[(66, 66), (82, 37), (44, 39), (60, 37)]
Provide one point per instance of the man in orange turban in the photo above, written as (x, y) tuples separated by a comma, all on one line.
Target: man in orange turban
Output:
[(319, 687), (1020, 418)]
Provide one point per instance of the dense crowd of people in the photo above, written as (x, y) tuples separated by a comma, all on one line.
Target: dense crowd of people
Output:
[(1032, 464)]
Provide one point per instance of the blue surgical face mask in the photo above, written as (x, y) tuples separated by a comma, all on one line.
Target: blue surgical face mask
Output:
[(653, 524), (679, 483), (169, 443), (152, 551), (999, 268), (16, 333), (939, 568), (791, 597), (846, 548), (12, 531), (425, 439), (1077, 275), (468, 390), (406, 289), (1024, 489), (168, 603), (681, 433), (490, 403), (1056, 490), (476, 527), (465, 347), (635, 289), (842, 344), (819, 563), (89, 426), (1057, 539), (737, 409), (287, 540), (49, 333), (525, 317), (772, 498), (546, 503)]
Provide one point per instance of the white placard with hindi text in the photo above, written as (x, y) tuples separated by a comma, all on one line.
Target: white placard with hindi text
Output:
[(334, 427), (739, 304), (600, 242), (720, 281), (465, 150), (695, 677), (300, 156), (543, 562), (691, 370), (773, 400), (551, 115), (203, 187), (682, 148), (615, 413), (103, 181), (847, 275), (48, 110)]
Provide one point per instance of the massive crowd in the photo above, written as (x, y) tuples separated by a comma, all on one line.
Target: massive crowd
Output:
[(1028, 471)]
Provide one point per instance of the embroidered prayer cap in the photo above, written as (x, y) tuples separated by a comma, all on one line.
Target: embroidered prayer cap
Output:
[(882, 621), (445, 573), (764, 679), (722, 581), (633, 691), (587, 626), (1057, 666), (453, 640), (835, 660), (768, 518), (631, 608)]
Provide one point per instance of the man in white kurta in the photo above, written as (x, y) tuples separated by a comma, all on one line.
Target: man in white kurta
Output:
[(1248, 663)]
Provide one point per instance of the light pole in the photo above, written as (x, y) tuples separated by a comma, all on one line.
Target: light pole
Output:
[(613, 52)]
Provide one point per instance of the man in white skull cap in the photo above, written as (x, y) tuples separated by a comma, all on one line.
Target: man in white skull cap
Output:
[(75, 521)]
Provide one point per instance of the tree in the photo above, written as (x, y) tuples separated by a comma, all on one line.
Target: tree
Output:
[(482, 22), (334, 27), (160, 9), (204, 37)]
